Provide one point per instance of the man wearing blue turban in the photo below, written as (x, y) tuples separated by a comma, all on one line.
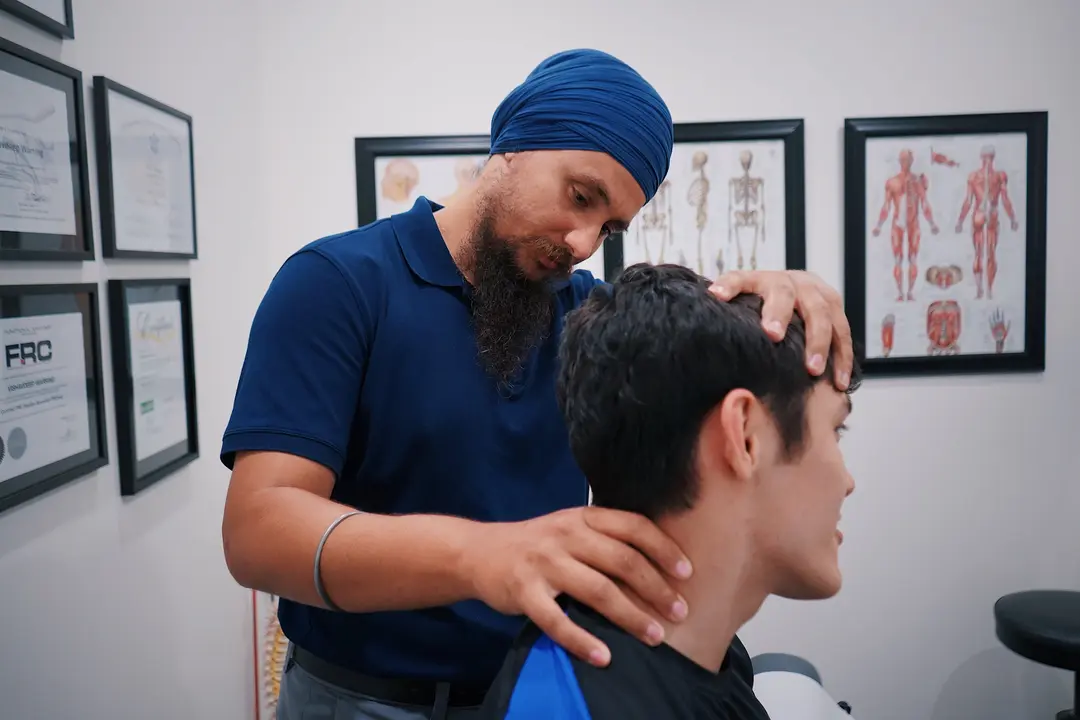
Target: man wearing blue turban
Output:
[(401, 474)]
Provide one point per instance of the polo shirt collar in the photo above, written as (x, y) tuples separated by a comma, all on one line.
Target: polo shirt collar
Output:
[(423, 245)]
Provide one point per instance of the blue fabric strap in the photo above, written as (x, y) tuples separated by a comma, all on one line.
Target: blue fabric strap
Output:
[(547, 688)]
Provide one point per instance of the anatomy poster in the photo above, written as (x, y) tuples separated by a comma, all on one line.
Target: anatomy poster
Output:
[(945, 228), (721, 207), (400, 180)]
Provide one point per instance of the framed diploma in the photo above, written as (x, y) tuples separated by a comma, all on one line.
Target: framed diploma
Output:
[(44, 182), (52, 16), (52, 418), (154, 379), (146, 175)]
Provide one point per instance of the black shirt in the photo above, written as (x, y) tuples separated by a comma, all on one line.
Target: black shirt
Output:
[(540, 679)]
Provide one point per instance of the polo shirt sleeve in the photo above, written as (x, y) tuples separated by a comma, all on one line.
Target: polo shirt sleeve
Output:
[(306, 355)]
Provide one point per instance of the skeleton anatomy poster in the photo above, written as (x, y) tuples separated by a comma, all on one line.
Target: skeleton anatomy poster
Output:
[(393, 172), (732, 200), (721, 206), (401, 180), (946, 247)]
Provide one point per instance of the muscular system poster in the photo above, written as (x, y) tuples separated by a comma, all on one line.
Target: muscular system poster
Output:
[(946, 244)]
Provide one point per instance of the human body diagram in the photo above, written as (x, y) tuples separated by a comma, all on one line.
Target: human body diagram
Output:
[(746, 210), (698, 197), (986, 188), (905, 196)]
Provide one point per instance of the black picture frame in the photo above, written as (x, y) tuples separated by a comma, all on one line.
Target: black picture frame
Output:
[(48, 246), (64, 30), (107, 177), (788, 131), (954, 306), (370, 149), (27, 344), (137, 474)]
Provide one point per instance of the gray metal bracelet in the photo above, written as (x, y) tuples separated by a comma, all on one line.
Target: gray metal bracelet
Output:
[(319, 588)]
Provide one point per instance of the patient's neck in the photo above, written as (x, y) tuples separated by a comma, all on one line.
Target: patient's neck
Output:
[(726, 589)]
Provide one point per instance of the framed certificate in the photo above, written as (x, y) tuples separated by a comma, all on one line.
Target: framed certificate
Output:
[(52, 16), (44, 182), (154, 379), (52, 418), (146, 175)]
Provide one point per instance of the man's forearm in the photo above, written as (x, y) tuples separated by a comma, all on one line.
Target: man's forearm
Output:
[(369, 562)]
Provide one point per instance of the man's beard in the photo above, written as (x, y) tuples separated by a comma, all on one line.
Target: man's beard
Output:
[(512, 314)]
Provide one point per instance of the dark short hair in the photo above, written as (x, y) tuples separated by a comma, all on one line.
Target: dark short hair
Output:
[(645, 359)]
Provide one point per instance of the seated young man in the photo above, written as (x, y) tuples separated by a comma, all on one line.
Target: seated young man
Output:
[(681, 408)]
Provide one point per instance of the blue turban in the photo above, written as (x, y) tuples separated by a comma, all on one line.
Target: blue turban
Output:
[(589, 100)]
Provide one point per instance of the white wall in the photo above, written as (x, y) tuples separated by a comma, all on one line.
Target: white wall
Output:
[(959, 500), (123, 609)]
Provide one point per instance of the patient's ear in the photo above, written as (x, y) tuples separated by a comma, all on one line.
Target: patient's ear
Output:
[(739, 421)]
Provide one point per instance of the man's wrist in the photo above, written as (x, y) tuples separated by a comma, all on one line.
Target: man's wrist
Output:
[(466, 556)]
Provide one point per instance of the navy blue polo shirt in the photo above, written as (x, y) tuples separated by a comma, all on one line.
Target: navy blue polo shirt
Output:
[(362, 358)]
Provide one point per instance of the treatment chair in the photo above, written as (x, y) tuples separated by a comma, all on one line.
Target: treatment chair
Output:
[(790, 688)]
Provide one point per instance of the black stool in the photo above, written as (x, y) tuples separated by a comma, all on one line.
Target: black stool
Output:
[(1044, 626)]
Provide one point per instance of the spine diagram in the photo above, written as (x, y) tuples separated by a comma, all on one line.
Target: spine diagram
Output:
[(271, 647)]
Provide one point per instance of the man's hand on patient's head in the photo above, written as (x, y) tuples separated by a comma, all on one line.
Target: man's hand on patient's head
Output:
[(822, 309)]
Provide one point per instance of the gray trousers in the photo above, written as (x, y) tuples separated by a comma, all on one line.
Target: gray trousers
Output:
[(306, 697)]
